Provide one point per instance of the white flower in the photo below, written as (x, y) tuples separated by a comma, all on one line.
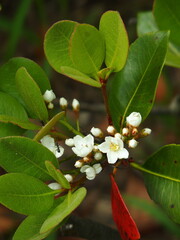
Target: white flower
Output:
[(132, 143), (68, 177), (49, 95), (49, 143), (96, 132), (114, 148), (91, 171), (125, 131), (63, 103), (83, 145), (54, 186), (111, 129), (134, 119), (78, 164), (69, 142), (146, 131), (75, 105), (98, 156)]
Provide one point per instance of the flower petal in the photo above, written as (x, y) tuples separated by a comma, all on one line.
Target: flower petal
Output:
[(123, 153), (112, 157), (104, 147), (89, 139)]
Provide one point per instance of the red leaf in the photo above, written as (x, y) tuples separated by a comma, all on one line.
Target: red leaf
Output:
[(125, 224)]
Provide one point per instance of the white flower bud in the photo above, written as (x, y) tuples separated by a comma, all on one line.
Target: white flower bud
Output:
[(63, 103), (134, 131), (50, 105), (132, 143), (78, 164), (86, 159), (98, 156), (118, 135), (134, 119), (90, 172), (49, 95), (75, 105), (111, 130), (96, 132), (97, 167), (68, 177), (69, 142), (54, 186), (146, 131), (125, 131)]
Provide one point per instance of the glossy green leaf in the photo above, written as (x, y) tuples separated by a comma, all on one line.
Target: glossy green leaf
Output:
[(46, 128), (167, 17), (116, 39), (8, 72), (11, 111), (64, 209), (23, 155), (162, 179), (133, 89), (31, 94), (56, 44), (8, 129), (79, 76), (87, 49), (25, 194), (146, 24), (57, 175)]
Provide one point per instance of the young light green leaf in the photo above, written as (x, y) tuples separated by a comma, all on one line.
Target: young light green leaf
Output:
[(25, 194), (8, 72), (23, 155), (46, 129), (116, 39), (57, 175), (31, 94), (63, 210), (133, 89), (87, 49), (147, 24), (167, 17), (79, 76), (162, 179), (56, 44), (8, 129)]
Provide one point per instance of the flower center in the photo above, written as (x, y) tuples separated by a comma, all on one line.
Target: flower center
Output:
[(114, 147)]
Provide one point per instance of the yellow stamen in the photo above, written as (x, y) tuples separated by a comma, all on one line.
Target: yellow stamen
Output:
[(114, 147)]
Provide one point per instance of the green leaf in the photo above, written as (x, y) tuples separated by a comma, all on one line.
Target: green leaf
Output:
[(57, 175), (11, 111), (64, 209), (56, 44), (31, 94), (8, 72), (23, 155), (116, 39), (46, 128), (87, 49), (25, 194), (146, 24), (79, 76), (162, 179), (133, 89), (167, 17), (8, 129)]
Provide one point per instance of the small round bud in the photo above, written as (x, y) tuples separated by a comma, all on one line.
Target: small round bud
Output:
[(68, 177), (78, 164), (75, 105), (118, 135), (96, 132), (63, 103), (69, 142), (95, 148), (49, 96), (134, 131), (146, 131), (86, 159), (54, 186), (50, 105), (134, 119), (125, 131), (132, 143), (111, 130), (98, 156)]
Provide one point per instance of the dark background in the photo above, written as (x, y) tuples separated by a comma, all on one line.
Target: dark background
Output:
[(22, 28)]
